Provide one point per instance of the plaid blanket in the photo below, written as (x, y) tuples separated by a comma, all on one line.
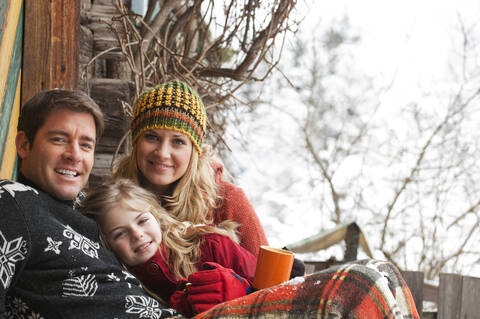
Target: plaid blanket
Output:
[(364, 289)]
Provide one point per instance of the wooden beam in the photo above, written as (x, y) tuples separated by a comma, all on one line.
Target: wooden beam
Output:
[(450, 296), (50, 47), (458, 296), (414, 280), (11, 31), (351, 242), (470, 297), (430, 293)]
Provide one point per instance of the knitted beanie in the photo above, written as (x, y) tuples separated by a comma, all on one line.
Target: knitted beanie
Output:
[(173, 105)]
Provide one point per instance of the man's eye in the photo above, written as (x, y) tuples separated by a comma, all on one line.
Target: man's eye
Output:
[(87, 146), (58, 139)]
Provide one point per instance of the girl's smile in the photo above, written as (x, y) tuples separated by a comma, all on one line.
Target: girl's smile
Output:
[(132, 235)]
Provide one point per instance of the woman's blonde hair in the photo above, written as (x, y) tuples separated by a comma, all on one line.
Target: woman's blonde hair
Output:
[(193, 197), (181, 240)]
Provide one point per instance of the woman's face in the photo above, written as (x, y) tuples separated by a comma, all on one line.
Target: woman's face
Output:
[(132, 235), (162, 157)]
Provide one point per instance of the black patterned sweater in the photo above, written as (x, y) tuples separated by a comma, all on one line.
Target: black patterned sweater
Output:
[(52, 264)]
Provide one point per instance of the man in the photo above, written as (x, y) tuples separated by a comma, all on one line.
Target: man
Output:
[(51, 262)]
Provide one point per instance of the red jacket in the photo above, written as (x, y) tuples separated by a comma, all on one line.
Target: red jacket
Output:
[(237, 207), (157, 276)]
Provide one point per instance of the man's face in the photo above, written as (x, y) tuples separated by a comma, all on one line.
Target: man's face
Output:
[(61, 157)]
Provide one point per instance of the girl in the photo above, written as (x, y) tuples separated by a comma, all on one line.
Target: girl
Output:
[(168, 128), (165, 254)]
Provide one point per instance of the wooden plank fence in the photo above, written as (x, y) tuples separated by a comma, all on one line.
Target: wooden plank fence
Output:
[(456, 296)]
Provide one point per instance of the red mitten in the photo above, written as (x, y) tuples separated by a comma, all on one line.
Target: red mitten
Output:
[(178, 300), (214, 285)]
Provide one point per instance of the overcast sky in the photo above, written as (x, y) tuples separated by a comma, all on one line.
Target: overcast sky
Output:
[(409, 40)]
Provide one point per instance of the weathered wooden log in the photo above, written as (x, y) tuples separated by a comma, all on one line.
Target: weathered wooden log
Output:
[(50, 53), (85, 56), (109, 94), (101, 169), (99, 18)]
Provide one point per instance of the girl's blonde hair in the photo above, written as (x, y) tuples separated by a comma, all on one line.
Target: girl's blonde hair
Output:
[(194, 197), (181, 240)]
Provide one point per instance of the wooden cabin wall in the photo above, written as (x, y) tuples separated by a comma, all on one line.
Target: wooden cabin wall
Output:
[(50, 49), (101, 75)]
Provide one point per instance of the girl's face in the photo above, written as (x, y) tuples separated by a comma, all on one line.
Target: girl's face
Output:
[(133, 236), (162, 157)]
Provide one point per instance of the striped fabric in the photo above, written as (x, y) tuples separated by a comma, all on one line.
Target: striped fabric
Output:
[(362, 290), (11, 29)]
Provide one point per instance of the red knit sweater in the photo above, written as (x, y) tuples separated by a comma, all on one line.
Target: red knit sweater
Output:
[(237, 207), (157, 276)]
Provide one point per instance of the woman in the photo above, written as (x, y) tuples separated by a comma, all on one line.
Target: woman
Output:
[(168, 158)]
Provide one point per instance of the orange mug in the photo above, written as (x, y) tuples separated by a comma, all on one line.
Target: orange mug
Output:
[(274, 266)]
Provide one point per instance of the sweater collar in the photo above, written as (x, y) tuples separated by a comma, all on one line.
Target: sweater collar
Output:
[(22, 179)]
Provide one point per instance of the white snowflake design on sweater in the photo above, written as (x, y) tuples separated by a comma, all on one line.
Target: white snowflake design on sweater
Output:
[(112, 277), (78, 241), (53, 245), (10, 253), (83, 286), (145, 307), (13, 187), (127, 275)]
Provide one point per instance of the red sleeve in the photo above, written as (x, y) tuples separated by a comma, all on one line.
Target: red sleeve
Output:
[(224, 251), (238, 208)]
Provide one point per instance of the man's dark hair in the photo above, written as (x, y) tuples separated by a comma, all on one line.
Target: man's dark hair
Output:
[(35, 111)]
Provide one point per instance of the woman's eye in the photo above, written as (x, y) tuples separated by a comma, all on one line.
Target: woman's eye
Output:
[(151, 137), (179, 141)]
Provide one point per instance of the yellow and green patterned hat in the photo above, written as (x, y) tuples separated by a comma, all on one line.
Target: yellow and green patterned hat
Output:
[(173, 105)]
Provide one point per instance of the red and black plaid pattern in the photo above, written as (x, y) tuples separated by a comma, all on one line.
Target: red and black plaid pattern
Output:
[(362, 290)]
